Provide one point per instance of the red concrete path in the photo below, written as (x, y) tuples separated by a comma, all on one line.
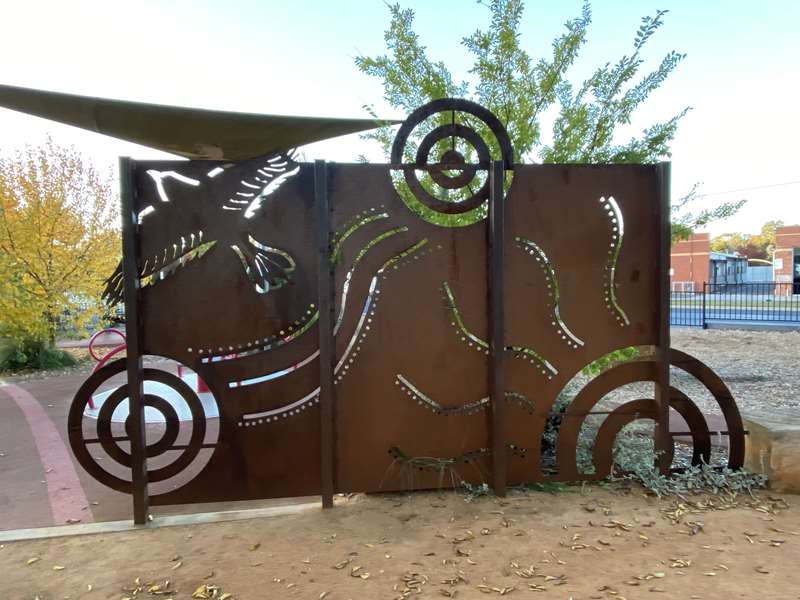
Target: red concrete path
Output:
[(33, 439), (24, 498), (67, 500)]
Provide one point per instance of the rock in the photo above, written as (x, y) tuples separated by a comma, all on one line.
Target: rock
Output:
[(773, 448)]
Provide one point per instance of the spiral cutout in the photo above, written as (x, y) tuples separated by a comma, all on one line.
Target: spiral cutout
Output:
[(181, 440), (450, 184)]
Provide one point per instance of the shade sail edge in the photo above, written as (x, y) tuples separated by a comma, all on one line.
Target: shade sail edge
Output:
[(189, 132)]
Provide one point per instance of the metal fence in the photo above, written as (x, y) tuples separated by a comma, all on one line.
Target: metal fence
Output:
[(764, 302)]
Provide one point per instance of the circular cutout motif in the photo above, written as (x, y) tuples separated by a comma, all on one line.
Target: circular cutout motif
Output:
[(441, 159), (641, 370), (180, 440)]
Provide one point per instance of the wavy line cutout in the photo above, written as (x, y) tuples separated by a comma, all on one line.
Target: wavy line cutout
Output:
[(340, 370), (617, 232), (282, 339), (348, 278), (519, 351), (394, 262), (465, 409), (274, 413), (340, 238), (291, 332), (535, 250)]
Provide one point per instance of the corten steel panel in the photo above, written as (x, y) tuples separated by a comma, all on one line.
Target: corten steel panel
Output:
[(410, 342), (209, 308), (562, 245), (230, 285)]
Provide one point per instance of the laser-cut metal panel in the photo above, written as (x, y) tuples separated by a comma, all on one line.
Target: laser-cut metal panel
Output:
[(428, 333), (566, 251), (229, 274), (417, 384), (255, 347)]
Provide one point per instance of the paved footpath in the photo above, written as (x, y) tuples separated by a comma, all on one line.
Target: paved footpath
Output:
[(40, 483)]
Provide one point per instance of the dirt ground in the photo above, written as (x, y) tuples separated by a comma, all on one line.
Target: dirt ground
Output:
[(593, 544), (759, 367)]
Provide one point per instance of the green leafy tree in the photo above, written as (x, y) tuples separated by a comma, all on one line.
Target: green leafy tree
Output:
[(766, 239), (518, 89), (760, 245), (685, 222)]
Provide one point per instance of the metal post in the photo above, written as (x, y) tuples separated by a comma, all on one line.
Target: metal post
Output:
[(327, 342), (133, 334), (703, 309), (497, 326), (662, 387)]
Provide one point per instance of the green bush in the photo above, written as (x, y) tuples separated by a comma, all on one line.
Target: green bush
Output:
[(35, 354), (6, 348)]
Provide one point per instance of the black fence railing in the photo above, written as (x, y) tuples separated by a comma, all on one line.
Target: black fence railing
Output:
[(769, 302)]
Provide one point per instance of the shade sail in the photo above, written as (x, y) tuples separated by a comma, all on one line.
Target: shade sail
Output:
[(189, 132)]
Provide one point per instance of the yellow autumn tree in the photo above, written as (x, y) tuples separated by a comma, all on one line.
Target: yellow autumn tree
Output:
[(58, 241)]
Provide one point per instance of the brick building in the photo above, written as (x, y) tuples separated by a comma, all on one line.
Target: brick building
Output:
[(689, 263), (692, 263), (786, 263)]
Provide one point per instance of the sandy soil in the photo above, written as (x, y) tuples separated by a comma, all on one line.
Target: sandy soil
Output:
[(759, 367), (596, 544)]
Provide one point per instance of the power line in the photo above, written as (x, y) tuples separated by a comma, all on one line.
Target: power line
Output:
[(748, 189)]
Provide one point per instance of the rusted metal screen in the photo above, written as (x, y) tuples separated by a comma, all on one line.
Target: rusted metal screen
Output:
[(229, 266)]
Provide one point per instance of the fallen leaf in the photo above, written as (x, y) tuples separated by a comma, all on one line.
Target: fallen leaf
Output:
[(342, 564)]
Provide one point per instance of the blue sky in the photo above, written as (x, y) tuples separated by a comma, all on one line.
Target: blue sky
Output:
[(740, 75)]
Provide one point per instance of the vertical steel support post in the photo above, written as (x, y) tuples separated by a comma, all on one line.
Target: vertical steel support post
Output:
[(497, 326), (133, 334), (662, 385), (327, 342)]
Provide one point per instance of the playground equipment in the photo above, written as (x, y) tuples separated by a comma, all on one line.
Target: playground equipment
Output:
[(151, 388)]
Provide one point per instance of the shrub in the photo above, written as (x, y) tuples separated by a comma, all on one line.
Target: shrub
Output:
[(634, 448), (35, 354)]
